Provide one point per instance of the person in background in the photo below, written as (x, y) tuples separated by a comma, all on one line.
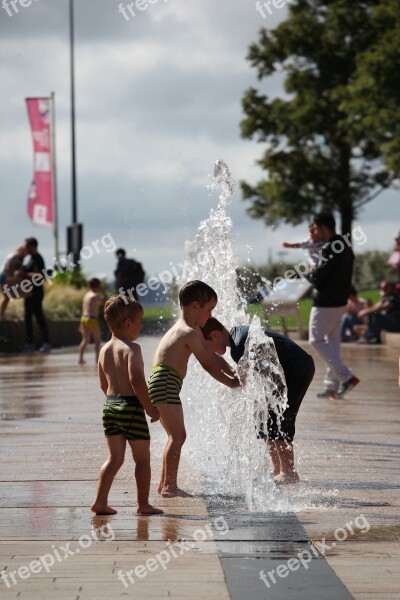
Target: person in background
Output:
[(394, 258), (128, 274), (354, 305), (384, 315), (33, 304), (332, 281), (89, 325), (11, 272)]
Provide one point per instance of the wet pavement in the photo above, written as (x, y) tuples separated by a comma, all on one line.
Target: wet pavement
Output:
[(51, 545)]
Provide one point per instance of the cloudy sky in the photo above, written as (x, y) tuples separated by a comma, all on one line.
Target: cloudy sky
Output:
[(158, 100)]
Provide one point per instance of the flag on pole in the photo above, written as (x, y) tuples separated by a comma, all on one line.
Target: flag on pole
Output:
[(41, 191)]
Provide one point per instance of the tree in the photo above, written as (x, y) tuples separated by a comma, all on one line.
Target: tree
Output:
[(314, 158), (374, 102)]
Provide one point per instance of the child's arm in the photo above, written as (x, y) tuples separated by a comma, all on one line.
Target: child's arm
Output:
[(210, 362), (289, 245), (138, 382), (103, 379)]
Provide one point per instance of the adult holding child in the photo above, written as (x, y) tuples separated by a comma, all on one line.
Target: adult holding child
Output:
[(332, 282), (33, 304)]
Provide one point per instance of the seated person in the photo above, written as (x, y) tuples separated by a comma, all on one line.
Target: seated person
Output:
[(350, 318), (384, 315)]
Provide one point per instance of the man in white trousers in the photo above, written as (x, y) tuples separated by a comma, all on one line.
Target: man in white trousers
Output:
[(332, 280)]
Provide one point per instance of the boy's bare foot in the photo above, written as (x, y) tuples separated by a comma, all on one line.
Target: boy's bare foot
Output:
[(175, 493), (287, 478), (160, 488), (148, 509), (82, 362), (102, 510)]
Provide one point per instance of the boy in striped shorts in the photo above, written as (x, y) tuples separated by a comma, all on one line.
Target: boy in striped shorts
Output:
[(197, 301), (121, 374)]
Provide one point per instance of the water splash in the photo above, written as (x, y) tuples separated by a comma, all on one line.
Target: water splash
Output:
[(223, 423)]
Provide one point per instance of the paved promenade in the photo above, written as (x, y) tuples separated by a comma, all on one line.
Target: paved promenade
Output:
[(51, 546)]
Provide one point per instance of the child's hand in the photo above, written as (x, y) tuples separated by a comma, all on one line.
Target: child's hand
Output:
[(154, 414), (224, 366)]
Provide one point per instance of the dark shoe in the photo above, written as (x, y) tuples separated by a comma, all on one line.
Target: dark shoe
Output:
[(347, 386), (45, 348), (327, 394)]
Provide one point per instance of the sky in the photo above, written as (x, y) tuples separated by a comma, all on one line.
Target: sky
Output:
[(158, 101)]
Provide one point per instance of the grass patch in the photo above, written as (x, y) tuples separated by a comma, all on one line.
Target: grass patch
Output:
[(162, 313)]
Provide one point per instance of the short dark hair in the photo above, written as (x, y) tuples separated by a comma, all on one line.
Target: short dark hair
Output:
[(352, 291), (196, 291), (94, 282), (212, 325), (326, 219), (120, 251), (31, 241), (117, 309)]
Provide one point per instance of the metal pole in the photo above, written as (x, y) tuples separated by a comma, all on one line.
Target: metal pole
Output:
[(73, 182), (54, 173)]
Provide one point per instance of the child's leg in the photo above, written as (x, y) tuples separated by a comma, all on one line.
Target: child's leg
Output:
[(97, 339), (141, 456), (273, 452), (173, 423), (288, 472), (83, 344), (116, 446)]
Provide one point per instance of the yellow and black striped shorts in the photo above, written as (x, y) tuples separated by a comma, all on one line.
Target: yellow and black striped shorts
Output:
[(164, 385), (125, 414)]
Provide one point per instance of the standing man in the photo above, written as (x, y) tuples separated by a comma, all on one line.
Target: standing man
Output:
[(332, 280), (128, 274), (33, 304)]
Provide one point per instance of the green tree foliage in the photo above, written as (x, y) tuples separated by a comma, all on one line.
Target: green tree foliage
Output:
[(374, 102), (314, 158)]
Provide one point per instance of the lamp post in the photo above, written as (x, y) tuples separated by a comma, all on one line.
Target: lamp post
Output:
[(74, 231)]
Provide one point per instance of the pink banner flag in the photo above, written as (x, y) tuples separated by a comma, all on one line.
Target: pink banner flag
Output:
[(40, 198)]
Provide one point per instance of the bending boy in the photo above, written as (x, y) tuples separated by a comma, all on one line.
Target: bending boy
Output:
[(197, 301), (298, 367), (122, 379)]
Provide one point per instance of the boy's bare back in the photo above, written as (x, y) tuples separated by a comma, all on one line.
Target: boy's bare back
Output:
[(176, 346), (116, 361), (91, 304)]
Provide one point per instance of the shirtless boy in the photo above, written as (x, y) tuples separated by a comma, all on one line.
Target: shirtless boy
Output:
[(197, 301), (89, 325), (122, 379)]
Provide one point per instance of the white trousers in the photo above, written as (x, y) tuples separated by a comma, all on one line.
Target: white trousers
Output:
[(324, 336)]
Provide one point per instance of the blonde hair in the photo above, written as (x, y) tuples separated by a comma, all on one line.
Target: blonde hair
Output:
[(117, 309)]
